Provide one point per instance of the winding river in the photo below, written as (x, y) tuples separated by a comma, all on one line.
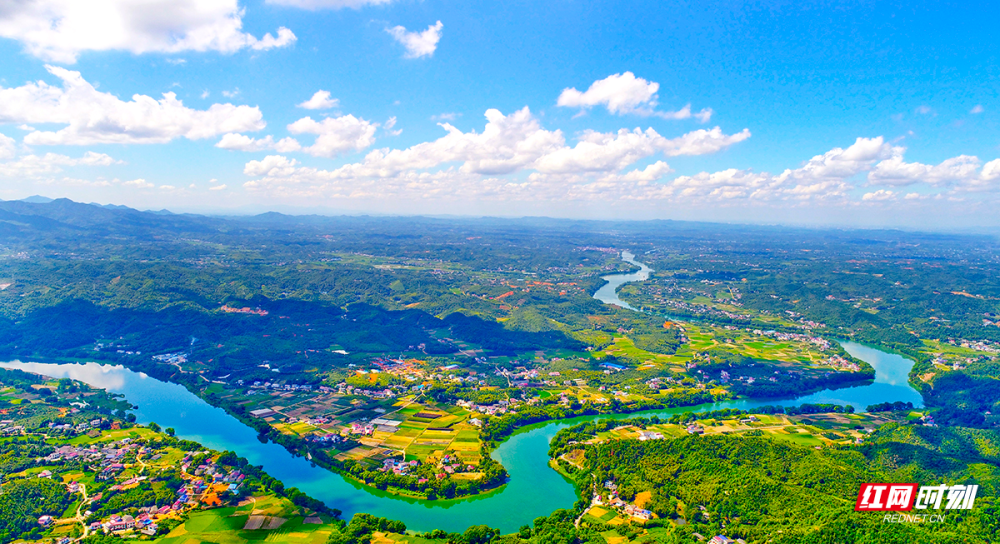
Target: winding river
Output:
[(534, 488)]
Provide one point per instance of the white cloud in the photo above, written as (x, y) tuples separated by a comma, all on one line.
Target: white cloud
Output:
[(897, 172), (833, 175), (991, 170), (625, 94), (978, 108), (176, 62), (620, 93), (881, 194), (7, 146), (139, 183), (239, 142), (59, 30), (468, 161), (417, 44), (320, 101), (31, 166), (93, 117), (924, 110), (388, 127), (449, 116), (598, 152), (328, 4), (487, 166), (218, 188), (507, 143), (231, 94), (703, 116), (272, 165), (335, 135), (841, 164)]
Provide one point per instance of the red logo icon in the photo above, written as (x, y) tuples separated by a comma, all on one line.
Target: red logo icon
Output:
[(885, 497)]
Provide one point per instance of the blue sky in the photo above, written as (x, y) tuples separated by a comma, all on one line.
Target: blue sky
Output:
[(778, 96)]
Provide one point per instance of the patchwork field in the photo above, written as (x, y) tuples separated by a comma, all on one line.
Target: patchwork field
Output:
[(425, 430), (264, 519)]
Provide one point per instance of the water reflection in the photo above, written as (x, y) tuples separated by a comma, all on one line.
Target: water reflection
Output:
[(101, 376)]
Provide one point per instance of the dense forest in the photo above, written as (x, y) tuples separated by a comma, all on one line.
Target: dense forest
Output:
[(766, 490)]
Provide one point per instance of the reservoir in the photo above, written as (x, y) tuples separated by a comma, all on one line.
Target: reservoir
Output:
[(534, 488)]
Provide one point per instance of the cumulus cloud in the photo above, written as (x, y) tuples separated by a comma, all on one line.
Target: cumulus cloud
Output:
[(455, 168), (599, 152), (619, 93), (320, 101), (506, 144), (239, 142), (59, 30), (218, 187), (881, 194), (978, 108), (7, 146), (841, 164), (834, 175), (139, 183), (32, 166), (328, 4), (471, 163), (417, 44), (93, 117), (336, 135), (897, 172), (625, 94)]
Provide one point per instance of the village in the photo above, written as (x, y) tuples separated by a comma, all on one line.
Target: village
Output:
[(204, 485)]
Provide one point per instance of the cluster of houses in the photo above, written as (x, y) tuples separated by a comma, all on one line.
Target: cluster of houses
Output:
[(701, 309), (400, 468), (106, 460), (451, 464), (841, 363), (612, 500), (245, 310), (694, 428), (722, 539), (499, 407), (118, 348), (7, 428), (822, 343), (142, 523), (79, 428), (275, 386), (171, 358), (217, 475), (329, 438)]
